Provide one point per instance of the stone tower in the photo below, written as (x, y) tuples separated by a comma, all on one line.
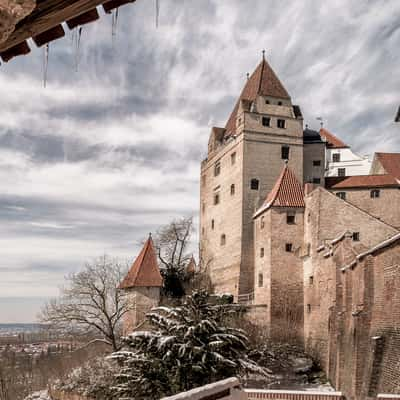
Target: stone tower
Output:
[(142, 286), (278, 233), (243, 163)]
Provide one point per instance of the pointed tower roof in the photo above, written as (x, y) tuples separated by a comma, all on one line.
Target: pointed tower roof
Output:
[(191, 267), (332, 141), (263, 81), (287, 192), (144, 271)]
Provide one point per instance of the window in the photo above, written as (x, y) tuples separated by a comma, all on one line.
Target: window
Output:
[(316, 181), (202, 231), (217, 168), (233, 158), (290, 218), (232, 189), (341, 195), (239, 121), (279, 103), (281, 123), (356, 236), (266, 121), (212, 224), (316, 163), (336, 157), (262, 223), (308, 308), (341, 171), (375, 193), (216, 198), (203, 207), (223, 239), (266, 101), (285, 152), (203, 180), (254, 183), (260, 280), (288, 247), (311, 280), (262, 252)]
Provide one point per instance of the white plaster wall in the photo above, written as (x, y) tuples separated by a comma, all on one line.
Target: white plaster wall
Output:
[(354, 163)]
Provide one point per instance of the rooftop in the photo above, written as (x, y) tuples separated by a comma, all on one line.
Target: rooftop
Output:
[(361, 181), (287, 192), (144, 271), (390, 163), (333, 142)]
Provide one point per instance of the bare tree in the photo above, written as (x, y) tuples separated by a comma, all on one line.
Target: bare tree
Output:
[(172, 242), (91, 301)]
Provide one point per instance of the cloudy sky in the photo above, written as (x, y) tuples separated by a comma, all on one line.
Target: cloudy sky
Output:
[(100, 157)]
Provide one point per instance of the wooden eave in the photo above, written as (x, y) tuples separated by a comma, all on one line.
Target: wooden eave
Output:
[(43, 25)]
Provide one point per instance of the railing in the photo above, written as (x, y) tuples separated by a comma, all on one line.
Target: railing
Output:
[(256, 394), (247, 298)]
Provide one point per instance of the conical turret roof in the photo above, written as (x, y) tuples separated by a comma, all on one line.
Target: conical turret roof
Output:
[(144, 271)]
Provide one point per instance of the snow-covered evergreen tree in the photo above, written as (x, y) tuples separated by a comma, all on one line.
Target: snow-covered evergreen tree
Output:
[(189, 346)]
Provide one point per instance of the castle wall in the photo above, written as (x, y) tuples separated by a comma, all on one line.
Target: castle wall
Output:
[(386, 207), (141, 301), (314, 152)]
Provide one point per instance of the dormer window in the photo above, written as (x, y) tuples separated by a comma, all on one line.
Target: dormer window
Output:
[(281, 123), (266, 121), (336, 157)]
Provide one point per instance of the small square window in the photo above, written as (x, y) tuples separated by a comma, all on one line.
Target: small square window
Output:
[(260, 280), (217, 168), (254, 184), (281, 123), (212, 224), (336, 157), (317, 181), (285, 152), (266, 101), (216, 198), (290, 218), (356, 236), (288, 247), (223, 239), (262, 223), (232, 189), (279, 103), (316, 163), (233, 158), (341, 171), (262, 252), (266, 121), (375, 193), (341, 195)]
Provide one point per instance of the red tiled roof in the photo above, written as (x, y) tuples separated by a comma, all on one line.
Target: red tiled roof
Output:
[(263, 81), (390, 163), (144, 271), (287, 192), (366, 181), (333, 141)]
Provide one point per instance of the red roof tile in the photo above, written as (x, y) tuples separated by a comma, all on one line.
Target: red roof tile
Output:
[(144, 271), (362, 181), (287, 192), (332, 141), (390, 163), (263, 81)]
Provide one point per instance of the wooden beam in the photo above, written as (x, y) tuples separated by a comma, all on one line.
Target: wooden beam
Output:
[(83, 19), (18, 50), (46, 15), (48, 36), (110, 5)]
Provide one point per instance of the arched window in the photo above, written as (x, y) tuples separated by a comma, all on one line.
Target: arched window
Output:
[(223, 239), (232, 189), (254, 183)]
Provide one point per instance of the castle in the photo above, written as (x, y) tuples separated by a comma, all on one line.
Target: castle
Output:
[(306, 233)]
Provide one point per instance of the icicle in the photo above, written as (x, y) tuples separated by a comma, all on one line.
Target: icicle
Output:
[(45, 63), (157, 12), (114, 23), (77, 47)]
